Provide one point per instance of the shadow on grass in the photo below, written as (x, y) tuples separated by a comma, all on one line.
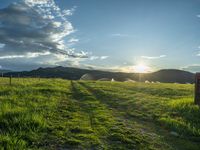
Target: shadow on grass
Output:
[(111, 101), (123, 110), (76, 92), (110, 129)]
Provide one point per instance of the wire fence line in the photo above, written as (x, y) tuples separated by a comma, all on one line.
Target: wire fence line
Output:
[(23, 80)]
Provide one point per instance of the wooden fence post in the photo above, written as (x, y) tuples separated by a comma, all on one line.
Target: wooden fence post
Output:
[(10, 79), (197, 89), (18, 77)]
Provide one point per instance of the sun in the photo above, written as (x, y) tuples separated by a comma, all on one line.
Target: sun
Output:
[(141, 68)]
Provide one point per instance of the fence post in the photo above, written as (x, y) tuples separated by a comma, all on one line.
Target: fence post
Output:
[(197, 89), (18, 77), (10, 79)]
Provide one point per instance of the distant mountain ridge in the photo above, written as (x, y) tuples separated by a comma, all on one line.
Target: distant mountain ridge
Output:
[(165, 75)]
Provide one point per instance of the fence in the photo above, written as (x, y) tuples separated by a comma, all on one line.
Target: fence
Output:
[(20, 80)]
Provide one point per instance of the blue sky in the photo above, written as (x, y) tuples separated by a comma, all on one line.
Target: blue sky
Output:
[(119, 35)]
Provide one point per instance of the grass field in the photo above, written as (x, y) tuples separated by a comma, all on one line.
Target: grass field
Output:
[(61, 114)]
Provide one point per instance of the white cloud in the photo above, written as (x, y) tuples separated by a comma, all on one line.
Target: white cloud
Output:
[(103, 57), (98, 57), (94, 57), (69, 12), (119, 35), (73, 40), (198, 54), (28, 55), (57, 24), (36, 2), (191, 68), (153, 57)]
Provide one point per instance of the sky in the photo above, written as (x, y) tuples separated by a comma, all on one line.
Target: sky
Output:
[(128, 35)]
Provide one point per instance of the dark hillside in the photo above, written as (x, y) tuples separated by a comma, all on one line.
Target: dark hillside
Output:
[(167, 75)]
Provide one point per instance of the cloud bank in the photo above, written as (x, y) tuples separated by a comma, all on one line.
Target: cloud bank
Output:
[(34, 29)]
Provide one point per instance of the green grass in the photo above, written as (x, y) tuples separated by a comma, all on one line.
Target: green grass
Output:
[(61, 114)]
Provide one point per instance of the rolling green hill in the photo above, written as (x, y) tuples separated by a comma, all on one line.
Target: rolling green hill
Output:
[(62, 114)]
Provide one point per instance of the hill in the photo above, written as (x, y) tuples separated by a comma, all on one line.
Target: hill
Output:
[(170, 76), (62, 114), (4, 71), (167, 75)]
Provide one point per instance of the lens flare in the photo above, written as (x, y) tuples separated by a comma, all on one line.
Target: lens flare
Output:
[(141, 68)]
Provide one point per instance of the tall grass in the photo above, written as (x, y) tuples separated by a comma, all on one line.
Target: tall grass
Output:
[(60, 114), (183, 117)]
